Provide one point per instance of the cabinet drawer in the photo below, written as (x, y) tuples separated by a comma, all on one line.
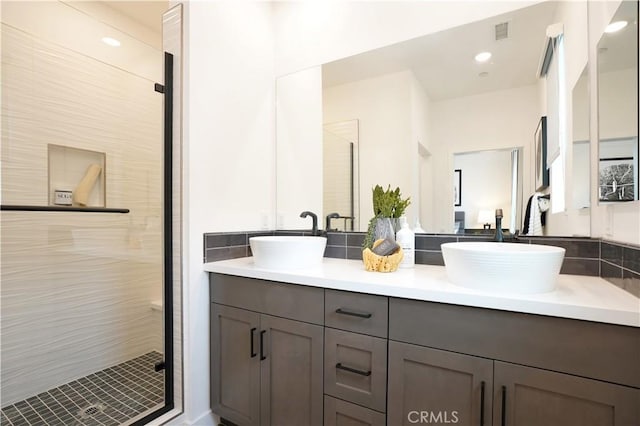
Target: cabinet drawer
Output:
[(355, 368), (282, 300), (361, 313), (342, 413)]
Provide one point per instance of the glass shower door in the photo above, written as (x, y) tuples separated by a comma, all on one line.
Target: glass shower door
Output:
[(81, 228)]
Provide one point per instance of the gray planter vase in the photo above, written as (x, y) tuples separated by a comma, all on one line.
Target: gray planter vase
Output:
[(384, 228)]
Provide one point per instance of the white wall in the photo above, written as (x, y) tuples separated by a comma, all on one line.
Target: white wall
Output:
[(76, 287), (616, 222), (495, 120), (382, 105), (309, 34), (229, 157)]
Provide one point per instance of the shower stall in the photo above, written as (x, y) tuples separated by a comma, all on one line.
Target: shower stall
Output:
[(85, 226)]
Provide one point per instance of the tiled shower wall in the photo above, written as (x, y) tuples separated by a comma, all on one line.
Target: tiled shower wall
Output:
[(617, 263), (76, 287)]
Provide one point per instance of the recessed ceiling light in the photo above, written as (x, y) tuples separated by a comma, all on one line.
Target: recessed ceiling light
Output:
[(483, 57), (615, 26), (111, 41)]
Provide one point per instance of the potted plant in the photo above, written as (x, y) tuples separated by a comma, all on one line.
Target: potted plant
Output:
[(388, 206)]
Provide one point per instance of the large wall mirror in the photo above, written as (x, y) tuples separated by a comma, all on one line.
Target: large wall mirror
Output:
[(618, 107), (431, 119)]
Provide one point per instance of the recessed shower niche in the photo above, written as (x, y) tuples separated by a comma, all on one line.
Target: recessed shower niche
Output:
[(79, 171)]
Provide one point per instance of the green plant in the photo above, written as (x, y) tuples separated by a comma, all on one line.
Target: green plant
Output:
[(387, 203)]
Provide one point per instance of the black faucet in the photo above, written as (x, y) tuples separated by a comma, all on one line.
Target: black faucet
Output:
[(314, 218), (330, 216), (499, 237)]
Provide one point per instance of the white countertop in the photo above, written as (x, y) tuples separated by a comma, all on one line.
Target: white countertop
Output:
[(576, 296)]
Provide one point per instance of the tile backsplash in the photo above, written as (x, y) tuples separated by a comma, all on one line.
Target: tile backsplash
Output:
[(616, 262), (620, 265), (231, 245)]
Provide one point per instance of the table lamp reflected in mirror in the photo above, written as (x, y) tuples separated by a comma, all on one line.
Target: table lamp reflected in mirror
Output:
[(485, 217)]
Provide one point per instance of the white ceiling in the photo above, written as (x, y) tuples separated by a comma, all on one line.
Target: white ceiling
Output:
[(147, 13), (444, 62)]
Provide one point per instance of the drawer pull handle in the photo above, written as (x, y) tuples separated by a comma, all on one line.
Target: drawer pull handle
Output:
[(262, 357), (504, 406), (253, 353), (353, 370), (482, 403), (353, 314)]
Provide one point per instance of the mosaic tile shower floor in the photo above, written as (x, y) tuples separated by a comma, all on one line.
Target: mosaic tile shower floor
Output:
[(108, 397)]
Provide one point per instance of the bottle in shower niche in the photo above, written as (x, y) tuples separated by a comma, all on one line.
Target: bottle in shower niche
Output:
[(407, 240)]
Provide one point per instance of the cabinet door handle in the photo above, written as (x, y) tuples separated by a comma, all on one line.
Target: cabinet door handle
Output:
[(353, 314), (504, 406), (251, 336), (482, 403), (262, 357), (353, 370)]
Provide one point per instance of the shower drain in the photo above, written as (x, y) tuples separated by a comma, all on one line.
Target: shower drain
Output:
[(90, 411)]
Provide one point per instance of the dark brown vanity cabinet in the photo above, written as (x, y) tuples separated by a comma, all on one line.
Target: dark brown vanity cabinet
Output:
[(443, 387), (509, 369), (284, 354), (265, 369)]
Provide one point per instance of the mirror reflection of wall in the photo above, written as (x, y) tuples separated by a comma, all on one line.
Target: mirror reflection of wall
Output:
[(618, 106), (299, 148), (581, 146), (387, 147), (341, 191), (487, 184)]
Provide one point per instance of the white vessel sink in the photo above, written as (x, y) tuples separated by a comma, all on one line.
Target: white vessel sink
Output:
[(287, 252), (503, 267)]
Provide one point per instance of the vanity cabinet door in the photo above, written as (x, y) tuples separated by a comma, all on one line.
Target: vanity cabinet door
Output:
[(430, 386), (525, 396), (235, 364), (291, 372)]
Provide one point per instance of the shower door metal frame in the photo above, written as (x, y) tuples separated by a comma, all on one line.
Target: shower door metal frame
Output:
[(167, 214)]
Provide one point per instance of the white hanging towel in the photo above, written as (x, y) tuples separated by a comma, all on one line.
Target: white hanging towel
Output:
[(535, 216)]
